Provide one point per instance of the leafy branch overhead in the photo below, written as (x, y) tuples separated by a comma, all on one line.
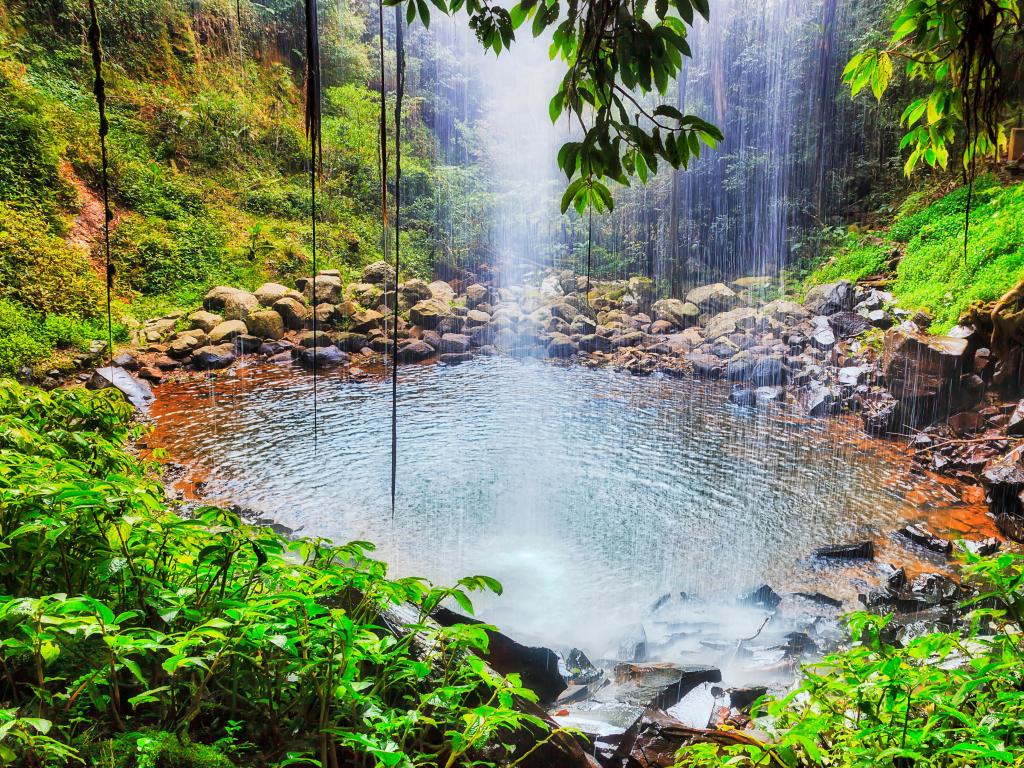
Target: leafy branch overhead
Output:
[(616, 52), (957, 48)]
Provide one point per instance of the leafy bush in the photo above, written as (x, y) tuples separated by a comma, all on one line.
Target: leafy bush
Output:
[(852, 257), (157, 256), (40, 271), (117, 615), (20, 343)]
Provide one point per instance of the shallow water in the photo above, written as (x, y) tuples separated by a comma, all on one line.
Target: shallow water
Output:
[(587, 493)]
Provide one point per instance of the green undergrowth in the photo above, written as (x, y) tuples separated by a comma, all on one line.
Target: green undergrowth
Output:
[(934, 273), (939, 699), (131, 636)]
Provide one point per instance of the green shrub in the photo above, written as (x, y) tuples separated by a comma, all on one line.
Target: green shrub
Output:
[(38, 269), (21, 344), (853, 257), (155, 749), (158, 256)]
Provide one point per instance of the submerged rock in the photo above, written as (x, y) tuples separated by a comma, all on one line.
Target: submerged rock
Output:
[(863, 550)]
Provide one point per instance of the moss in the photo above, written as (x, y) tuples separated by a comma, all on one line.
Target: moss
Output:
[(155, 749), (934, 274)]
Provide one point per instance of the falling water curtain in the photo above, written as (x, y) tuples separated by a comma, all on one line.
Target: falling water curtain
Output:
[(399, 93)]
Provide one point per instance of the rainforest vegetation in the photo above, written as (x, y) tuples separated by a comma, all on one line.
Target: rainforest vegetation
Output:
[(142, 631)]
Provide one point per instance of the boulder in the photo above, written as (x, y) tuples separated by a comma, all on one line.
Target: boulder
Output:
[(786, 312), (476, 318), (266, 324), (561, 346), (268, 293), (767, 371), (321, 357), (476, 295), (921, 536), (413, 291), (714, 298), (247, 344), (551, 287), (743, 397), (378, 272), (239, 305), (862, 550), (830, 298), (315, 339), (727, 323), (135, 391), (681, 314), (762, 597), (454, 343), (441, 291), (923, 371), (705, 366), (328, 289), (215, 298), (366, 320), (816, 399), (1004, 484), (591, 342), (848, 324), (214, 356), (350, 342), (428, 313), (205, 321), (226, 331), (365, 294), (292, 311), (414, 351), (183, 346)]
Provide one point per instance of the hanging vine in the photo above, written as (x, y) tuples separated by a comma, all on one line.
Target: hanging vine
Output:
[(313, 134), (399, 93), (99, 91)]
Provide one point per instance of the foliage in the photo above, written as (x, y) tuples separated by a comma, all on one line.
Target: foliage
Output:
[(40, 270), (934, 699), (933, 273), (956, 48), (610, 50), (119, 615), (27, 338)]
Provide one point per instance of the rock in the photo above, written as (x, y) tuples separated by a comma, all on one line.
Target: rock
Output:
[(315, 339), (847, 324), (739, 368), (126, 360), (925, 538), (266, 324), (767, 371), (214, 356), (454, 343), (227, 331), (561, 346), (879, 318), (863, 550), (629, 339), (378, 272), (743, 698), (714, 298), (786, 312), (652, 741), (364, 294), (246, 344), (852, 375), (982, 548), (350, 342), (454, 358), (366, 320), (583, 325), (639, 291), (923, 371), (239, 305), (705, 366), (216, 297), (1015, 426), (768, 395), (830, 298), (475, 318), (268, 293), (633, 646), (816, 399), (726, 323), (183, 346), (551, 287), (746, 398), (661, 684), (762, 597), (323, 316), (322, 357), (591, 342), (414, 351), (428, 313), (538, 667), (412, 292), (135, 391), (966, 422), (151, 373), (328, 290), (441, 291), (680, 314), (1004, 484), (881, 415), (753, 283), (476, 295), (292, 311), (823, 338), (205, 321)]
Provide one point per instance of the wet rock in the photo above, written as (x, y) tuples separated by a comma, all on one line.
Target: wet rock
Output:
[(633, 646), (205, 321), (216, 297), (768, 395), (246, 344), (1004, 483), (454, 358), (820, 598), (881, 415), (428, 313), (454, 343), (743, 698), (823, 338), (659, 684), (761, 597), (830, 298), (292, 311), (786, 312), (1015, 426), (983, 547), (591, 342), (414, 351), (966, 422), (476, 295), (365, 320), (151, 373), (652, 741), (561, 346), (739, 369), (351, 342), (923, 370), (726, 323), (922, 537), (266, 324), (126, 360), (879, 318), (227, 331), (239, 305), (315, 339), (714, 298), (767, 371), (852, 375), (680, 314), (583, 325), (848, 324), (328, 289), (816, 399), (705, 366), (183, 346), (746, 398), (214, 356), (861, 550), (135, 391), (322, 357)]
